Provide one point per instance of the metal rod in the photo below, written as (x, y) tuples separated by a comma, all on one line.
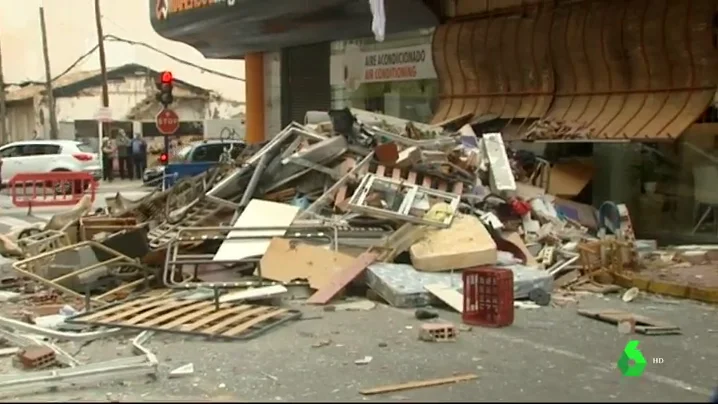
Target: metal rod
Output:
[(254, 180), (334, 188), (85, 269)]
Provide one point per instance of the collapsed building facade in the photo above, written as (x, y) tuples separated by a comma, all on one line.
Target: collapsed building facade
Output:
[(596, 80)]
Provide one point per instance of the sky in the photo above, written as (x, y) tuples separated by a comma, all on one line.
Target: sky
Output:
[(71, 33)]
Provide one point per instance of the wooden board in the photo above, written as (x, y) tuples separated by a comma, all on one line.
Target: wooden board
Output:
[(448, 295), (644, 325), (258, 213), (170, 314), (418, 384), (287, 260), (343, 278)]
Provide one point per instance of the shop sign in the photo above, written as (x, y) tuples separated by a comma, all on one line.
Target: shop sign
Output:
[(411, 63), (166, 8), (398, 64)]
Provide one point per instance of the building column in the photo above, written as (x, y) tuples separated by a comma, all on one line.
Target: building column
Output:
[(254, 88)]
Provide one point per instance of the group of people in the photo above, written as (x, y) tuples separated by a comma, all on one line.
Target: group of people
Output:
[(131, 155)]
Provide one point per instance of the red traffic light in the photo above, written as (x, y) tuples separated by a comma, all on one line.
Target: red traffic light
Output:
[(163, 158), (166, 78)]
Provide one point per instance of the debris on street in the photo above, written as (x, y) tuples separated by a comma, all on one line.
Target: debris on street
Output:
[(355, 204), (417, 384)]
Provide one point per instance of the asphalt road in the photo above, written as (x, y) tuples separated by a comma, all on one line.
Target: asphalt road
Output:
[(549, 354)]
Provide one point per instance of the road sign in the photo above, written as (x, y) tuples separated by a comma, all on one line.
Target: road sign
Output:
[(104, 114), (167, 121)]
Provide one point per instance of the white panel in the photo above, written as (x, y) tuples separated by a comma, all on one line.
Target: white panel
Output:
[(258, 213)]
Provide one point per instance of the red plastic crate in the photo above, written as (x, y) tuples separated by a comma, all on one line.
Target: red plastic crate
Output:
[(488, 297)]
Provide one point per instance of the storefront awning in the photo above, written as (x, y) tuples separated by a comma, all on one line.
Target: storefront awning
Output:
[(232, 28), (630, 70)]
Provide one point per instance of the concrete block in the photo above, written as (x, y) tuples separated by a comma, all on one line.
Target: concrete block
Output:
[(465, 244), (37, 357), (437, 332)]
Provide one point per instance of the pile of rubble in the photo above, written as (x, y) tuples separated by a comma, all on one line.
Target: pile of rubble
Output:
[(350, 203)]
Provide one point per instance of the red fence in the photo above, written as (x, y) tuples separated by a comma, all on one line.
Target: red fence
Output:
[(51, 189)]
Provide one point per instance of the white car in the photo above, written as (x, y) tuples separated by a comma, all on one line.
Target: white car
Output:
[(44, 156)]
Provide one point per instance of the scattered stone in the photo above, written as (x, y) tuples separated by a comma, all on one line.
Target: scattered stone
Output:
[(322, 343), (363, 361), (630, 294), (183, 370), (423, 314)]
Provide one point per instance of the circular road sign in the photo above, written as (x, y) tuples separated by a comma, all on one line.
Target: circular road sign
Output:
[(167, 121)]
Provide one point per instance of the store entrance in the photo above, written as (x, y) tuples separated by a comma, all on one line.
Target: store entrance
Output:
[(305, 81)]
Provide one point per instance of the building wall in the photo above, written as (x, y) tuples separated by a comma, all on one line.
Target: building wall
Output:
[(21, 120), (25, 118), (124, 96)]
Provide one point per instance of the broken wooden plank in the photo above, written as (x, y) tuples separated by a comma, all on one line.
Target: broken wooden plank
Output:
[(644, 325), (448, 295), (418, 384), (343, 278)]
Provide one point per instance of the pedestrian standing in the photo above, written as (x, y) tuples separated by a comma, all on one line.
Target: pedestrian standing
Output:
[(123, 155), (108, 157), (138, 150)]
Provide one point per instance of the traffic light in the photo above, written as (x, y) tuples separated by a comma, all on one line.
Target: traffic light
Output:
[(164, 158), (164, 84)]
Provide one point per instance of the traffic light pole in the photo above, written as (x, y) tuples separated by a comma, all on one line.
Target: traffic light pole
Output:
[(167, 152)]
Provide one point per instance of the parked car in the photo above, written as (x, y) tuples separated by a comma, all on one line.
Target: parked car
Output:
[(43, 156), (201, 152)]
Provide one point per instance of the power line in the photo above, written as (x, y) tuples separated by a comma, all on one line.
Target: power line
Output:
[(175, 58), (115, 38)]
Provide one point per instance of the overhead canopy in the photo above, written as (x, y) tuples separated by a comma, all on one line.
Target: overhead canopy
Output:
[(232, 28), (609, 70)]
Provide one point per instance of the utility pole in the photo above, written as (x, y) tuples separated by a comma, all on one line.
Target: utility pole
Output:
[(3, 106), (48, 76), (102, 127), (101, 50)]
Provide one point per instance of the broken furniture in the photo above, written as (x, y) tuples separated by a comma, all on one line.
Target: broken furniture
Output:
[(90, 227), (172, 314), (397, 200), (42, 242), (176, 261), (75, 268)]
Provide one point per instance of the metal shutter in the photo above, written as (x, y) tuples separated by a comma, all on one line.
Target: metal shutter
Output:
[(305, 81)]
